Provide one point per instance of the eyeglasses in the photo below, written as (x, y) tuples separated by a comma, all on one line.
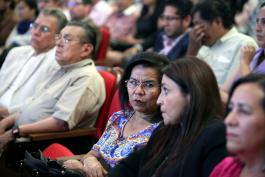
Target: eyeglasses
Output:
[(66, 39), (44, 28), (146, 85), (169, 18), (260, 21)]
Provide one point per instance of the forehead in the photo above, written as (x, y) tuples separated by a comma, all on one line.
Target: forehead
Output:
[(249, 93), (261, 12), (170, 10), (197, 19), (47, 20), (144, 73), (73, 31)]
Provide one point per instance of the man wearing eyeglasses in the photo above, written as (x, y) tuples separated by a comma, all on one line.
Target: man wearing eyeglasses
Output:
[(27, 66), (73, 94), (172, 39)]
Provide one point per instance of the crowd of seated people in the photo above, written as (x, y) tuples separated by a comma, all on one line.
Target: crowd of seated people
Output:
[(49, 82)]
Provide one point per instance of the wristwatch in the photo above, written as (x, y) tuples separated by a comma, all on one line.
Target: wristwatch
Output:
[(15, 132)]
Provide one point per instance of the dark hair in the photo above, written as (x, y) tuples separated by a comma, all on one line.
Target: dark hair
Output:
[(32, 4), (196, 79), (146, 59), (90, 33), (183, 7), (159, 6), (258, 79), (210, 10), (58, 14), (262, 5)]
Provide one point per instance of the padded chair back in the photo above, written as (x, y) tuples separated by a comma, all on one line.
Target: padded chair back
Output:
[(110, 87), (104, 44), (115, 104)]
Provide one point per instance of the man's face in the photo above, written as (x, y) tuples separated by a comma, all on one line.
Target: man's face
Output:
[(172, 23), (77, 9), (42, 4), (211, 29), (43, 33), (69, 48)]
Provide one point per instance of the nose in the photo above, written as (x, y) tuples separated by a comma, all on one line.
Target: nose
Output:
[(159, 99), (258, 27), (231, 119), (139, 89)]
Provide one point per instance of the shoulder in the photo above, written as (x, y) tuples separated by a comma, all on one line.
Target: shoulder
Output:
[(22, 49), (229, 167)]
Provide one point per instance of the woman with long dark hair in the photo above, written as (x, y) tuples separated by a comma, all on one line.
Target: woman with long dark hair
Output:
[(192, 140)]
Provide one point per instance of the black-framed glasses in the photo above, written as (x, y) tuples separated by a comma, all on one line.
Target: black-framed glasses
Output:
[(146, 85), (43, 28)]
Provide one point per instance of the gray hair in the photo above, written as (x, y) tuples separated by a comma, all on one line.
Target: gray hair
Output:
[(58, 14)]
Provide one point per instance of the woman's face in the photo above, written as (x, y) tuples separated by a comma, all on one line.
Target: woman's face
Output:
[(171, 100), (143, 89), (246, 120), (24, 12)]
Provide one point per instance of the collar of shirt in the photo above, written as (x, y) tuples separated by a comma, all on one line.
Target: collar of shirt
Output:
[(79, 64)]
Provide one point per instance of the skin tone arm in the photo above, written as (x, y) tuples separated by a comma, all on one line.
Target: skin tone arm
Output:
[(49, 124), (90, 166), (247, 54)]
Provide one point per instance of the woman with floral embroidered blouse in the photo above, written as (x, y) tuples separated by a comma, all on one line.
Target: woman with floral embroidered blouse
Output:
[(129, 129)]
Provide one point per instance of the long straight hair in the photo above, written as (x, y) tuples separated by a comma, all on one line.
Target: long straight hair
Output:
[(172, 142)]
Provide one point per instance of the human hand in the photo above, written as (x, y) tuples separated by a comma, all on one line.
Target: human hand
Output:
[(93, 167), (73, 165), (195, 39), (247, 54), (5, 138)]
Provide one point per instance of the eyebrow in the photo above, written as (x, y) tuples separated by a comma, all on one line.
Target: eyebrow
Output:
[(143, 80)]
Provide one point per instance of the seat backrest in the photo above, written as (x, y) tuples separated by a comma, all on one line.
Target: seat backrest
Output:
[(104, 44), (110, 87), (115, 103)]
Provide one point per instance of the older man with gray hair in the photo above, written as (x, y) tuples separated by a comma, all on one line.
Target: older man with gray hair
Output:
[(27, 66), (71, 97)]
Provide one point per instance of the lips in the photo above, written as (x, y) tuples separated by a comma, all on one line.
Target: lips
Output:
[(231, 136)]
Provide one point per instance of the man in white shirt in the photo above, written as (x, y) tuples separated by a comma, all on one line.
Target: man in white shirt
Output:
[(71, 97), (215, 40), (26, 67)]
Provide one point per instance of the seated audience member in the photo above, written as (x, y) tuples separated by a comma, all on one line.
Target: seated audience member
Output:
[(79, 9), (192, 139), (26, 12), (214, 38), (173, 39), (71, 97), (27, 66), (251, 61), (245, 129), (7, 19), (42, 4), (99, 12), (121, 23), (128, 130), (145, 30)]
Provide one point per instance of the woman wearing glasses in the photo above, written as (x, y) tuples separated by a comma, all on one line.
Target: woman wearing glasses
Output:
[(129, 129), (192, 140)]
